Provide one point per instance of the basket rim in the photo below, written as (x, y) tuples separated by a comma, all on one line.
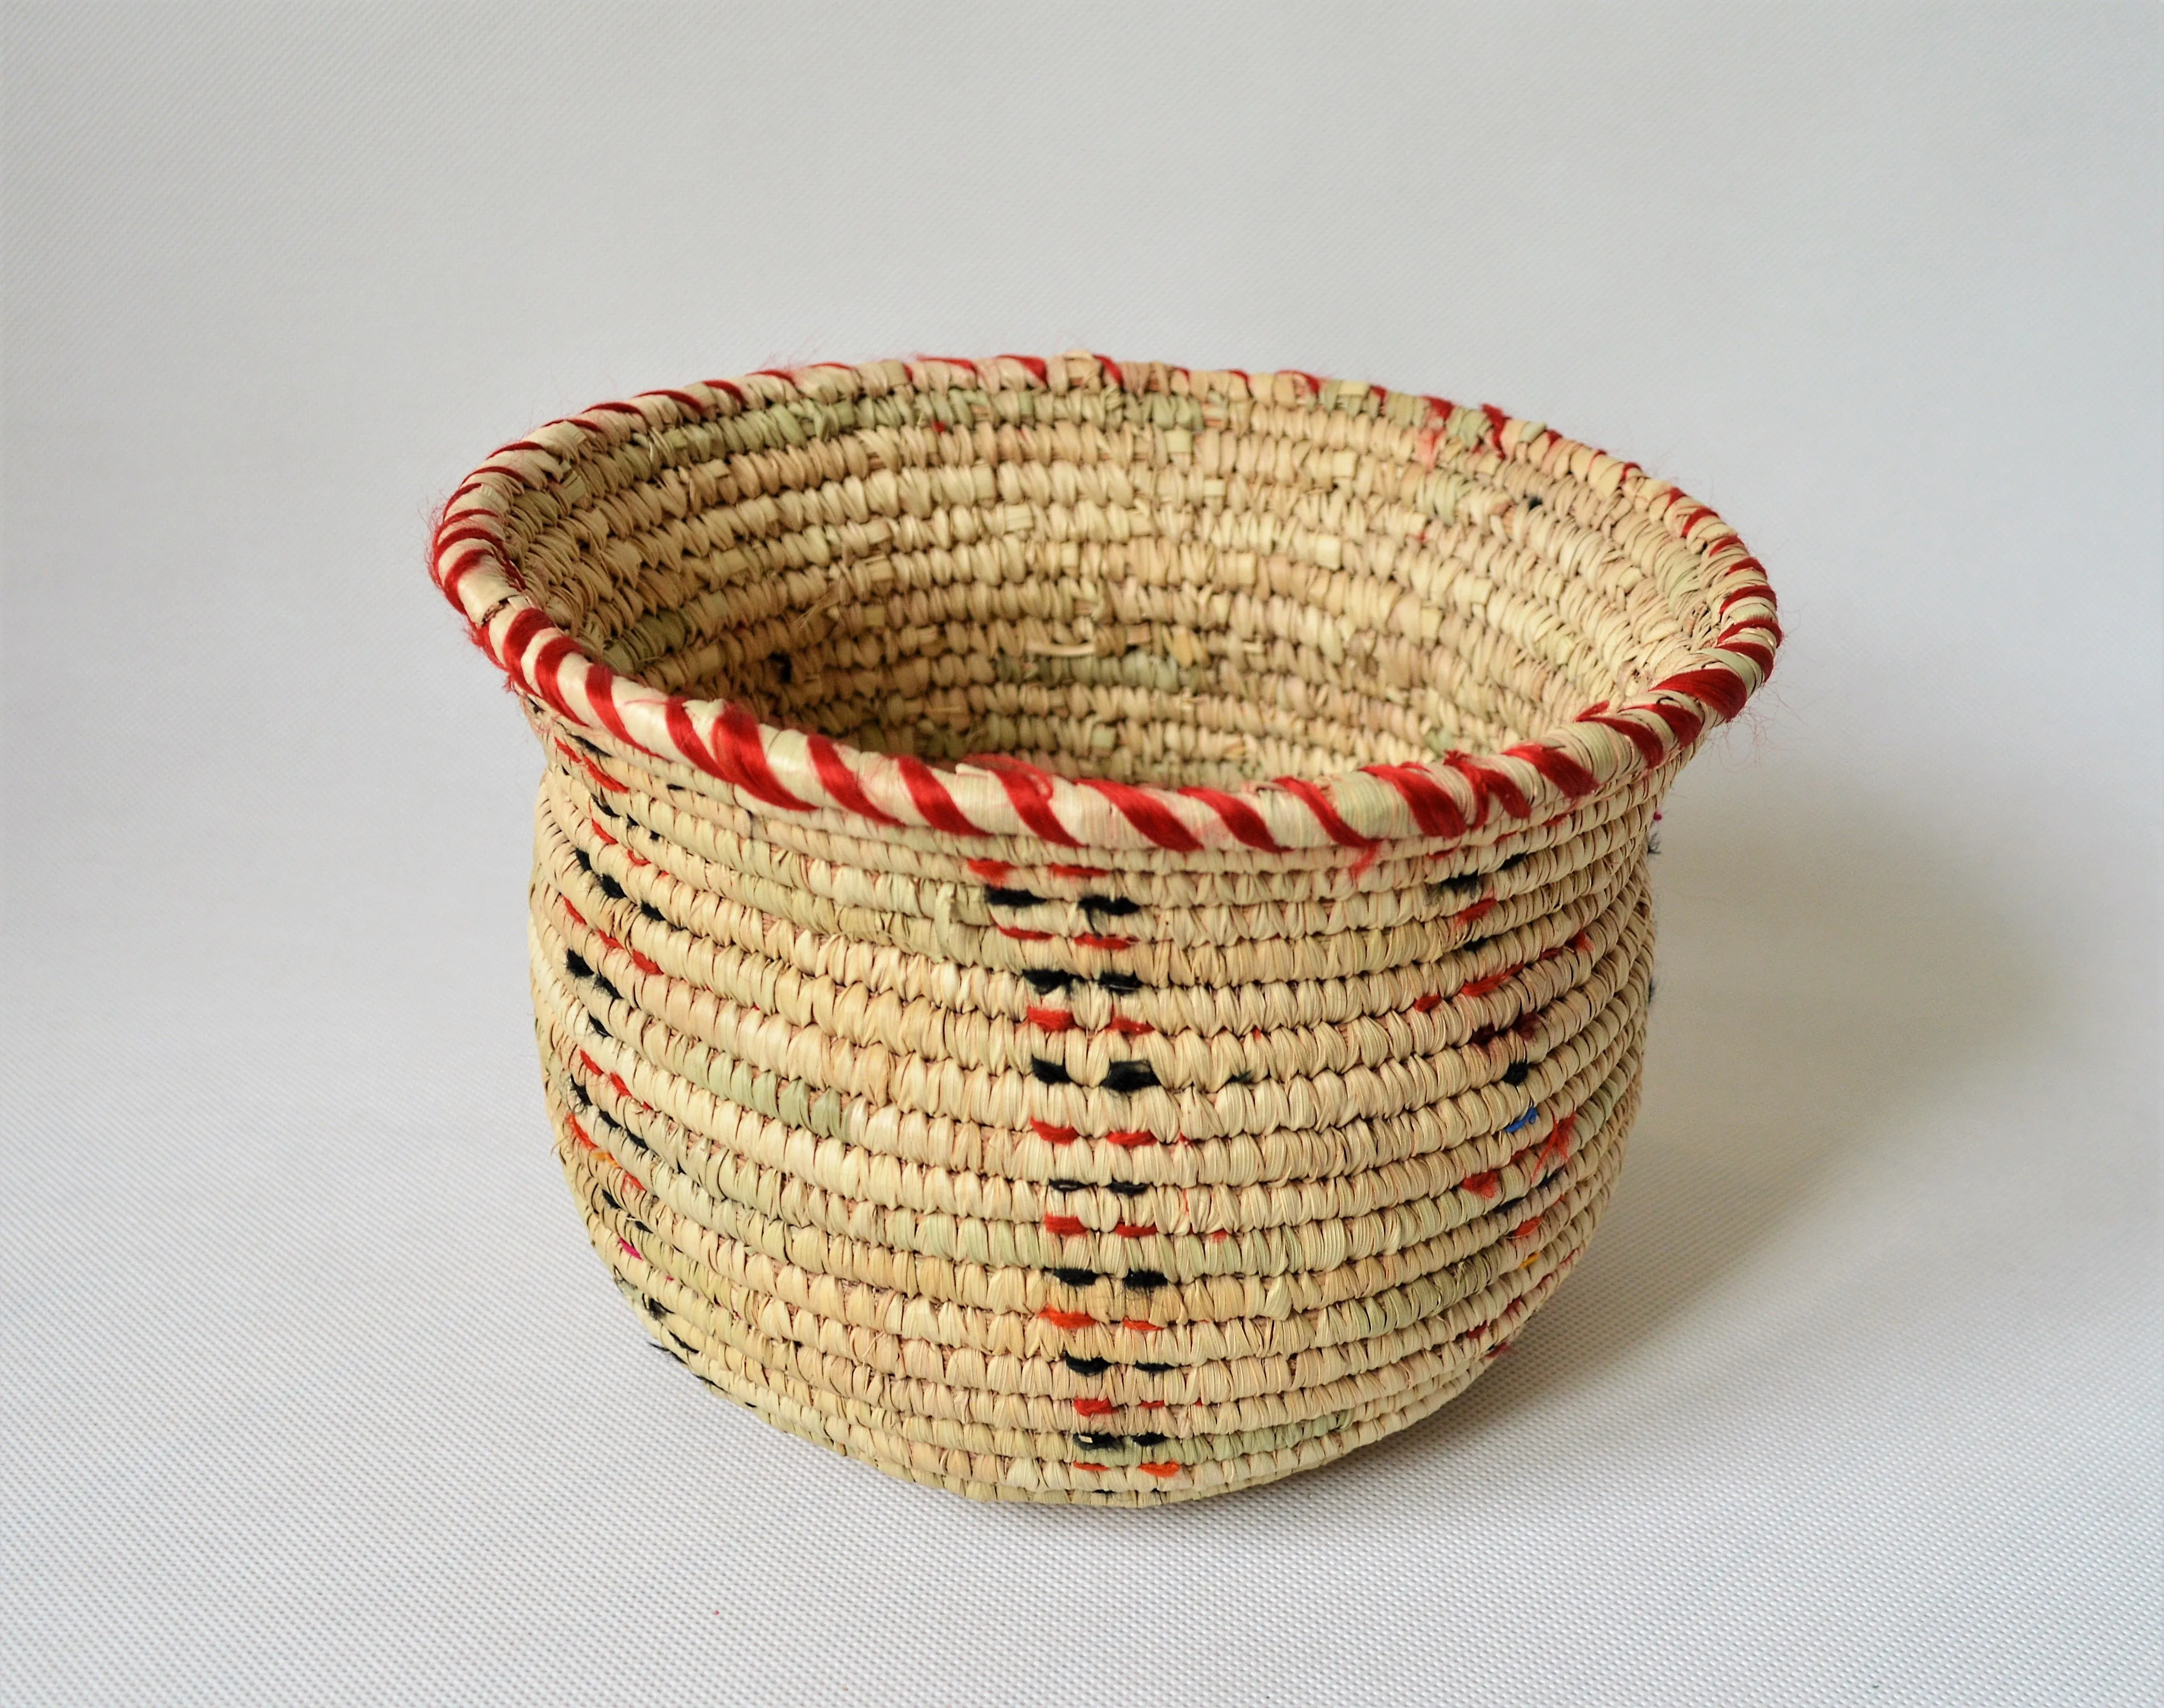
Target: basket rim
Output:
[(989, 795)]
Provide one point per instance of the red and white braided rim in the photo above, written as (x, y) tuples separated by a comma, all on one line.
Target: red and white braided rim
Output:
[(1605, 745)]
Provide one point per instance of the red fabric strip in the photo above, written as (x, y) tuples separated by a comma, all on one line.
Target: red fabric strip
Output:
[(685, 735), (931, 798), (739, 750), (1239, 817), (1757, 651), (1558, 767), (548, 668), (1433, 809), (600, 776), (516, 637), (684, 398), (454, 528), (1148, 814), (1682, 722), (1643, 738), (842, 785), (472, 559), (600, 695), (1030, 791), (1487, 780), (1325, 815), (1721, 690)]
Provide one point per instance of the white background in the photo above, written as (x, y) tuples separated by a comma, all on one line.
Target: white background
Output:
[(310, 1388)]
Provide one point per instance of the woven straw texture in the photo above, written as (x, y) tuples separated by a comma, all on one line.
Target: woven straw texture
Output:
[(1089, 927)]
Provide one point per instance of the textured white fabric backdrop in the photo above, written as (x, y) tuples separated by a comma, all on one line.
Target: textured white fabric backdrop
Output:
[(310, 1389)]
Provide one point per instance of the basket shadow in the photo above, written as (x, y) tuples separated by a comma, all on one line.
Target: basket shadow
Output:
[(1820, 969)]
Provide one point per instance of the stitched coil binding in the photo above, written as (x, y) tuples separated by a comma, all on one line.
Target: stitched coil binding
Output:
[(1090, 926)]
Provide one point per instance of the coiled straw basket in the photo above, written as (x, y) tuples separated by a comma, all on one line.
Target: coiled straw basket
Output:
[(1090, 925)]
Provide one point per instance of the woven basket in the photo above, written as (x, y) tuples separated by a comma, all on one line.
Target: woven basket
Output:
[(1089, 924)]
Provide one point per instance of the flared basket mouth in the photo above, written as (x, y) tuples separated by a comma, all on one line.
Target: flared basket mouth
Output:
[(1683, 630)]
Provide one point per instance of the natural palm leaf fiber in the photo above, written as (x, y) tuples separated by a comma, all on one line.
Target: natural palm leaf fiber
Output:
[(1090, 926)]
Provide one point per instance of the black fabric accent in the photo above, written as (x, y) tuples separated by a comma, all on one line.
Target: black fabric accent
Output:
[(1145, 1281), (1085, 1367), (1119, 984), (1076, 1277), (607, 989), (1148, 1438), (1153, 1370), (1118, 907), (1517, 1073), (575, 965), (1049, 1073), (1046, 981), (611, 888), (1091, 1437), (1012, 898), (585, 860), (782, 667), (1126, 1189), (647, 910), (1130, 1076)]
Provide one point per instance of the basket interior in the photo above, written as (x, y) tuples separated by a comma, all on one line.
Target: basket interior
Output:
[(1156, 589)]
